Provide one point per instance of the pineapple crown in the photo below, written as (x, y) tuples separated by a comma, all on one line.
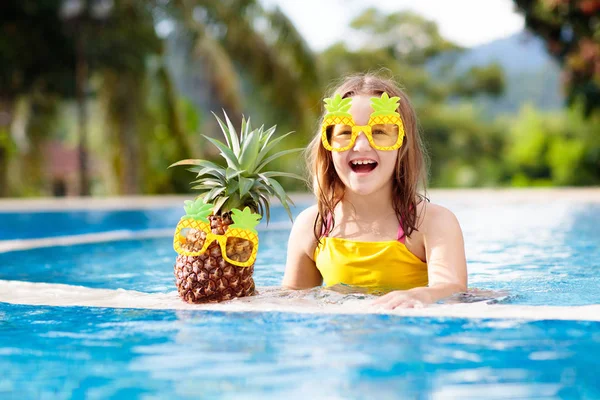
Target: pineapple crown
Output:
[(336, 106), (243, 182)]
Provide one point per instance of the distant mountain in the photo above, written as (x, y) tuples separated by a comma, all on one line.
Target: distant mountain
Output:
[(517, 53), (532, 76)]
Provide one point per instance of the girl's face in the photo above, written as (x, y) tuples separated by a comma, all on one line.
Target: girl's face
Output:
[(363, 169)]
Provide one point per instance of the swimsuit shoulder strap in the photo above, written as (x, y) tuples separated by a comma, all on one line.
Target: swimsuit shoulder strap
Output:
[(401, 235)]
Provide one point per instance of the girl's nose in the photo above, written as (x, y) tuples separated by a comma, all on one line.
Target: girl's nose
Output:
[(361, 143)]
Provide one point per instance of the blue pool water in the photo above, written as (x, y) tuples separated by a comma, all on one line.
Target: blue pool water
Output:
[(539, 253), (98, 353), (61, 223)]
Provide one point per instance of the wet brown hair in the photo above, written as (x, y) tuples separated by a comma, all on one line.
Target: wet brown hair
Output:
[(410, 174)]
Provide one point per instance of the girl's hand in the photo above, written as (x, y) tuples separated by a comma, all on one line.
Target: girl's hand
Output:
[(413, 298)]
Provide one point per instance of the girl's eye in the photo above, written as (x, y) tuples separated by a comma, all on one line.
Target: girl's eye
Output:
[(378, 132), (343, 133)]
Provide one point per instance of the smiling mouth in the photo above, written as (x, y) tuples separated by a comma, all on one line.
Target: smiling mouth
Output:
[(363, 166)]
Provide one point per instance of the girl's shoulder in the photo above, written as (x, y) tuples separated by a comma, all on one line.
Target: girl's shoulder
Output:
[(307, 216), (432, 216), (303, 228)]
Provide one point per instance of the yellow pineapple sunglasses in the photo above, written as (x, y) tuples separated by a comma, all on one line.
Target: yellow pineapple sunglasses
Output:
[(385, 130), (238, 246)]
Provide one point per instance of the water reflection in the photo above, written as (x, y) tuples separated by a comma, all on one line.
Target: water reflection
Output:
[(544, 254)]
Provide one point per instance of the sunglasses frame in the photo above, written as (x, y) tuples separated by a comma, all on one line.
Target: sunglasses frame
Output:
[(211, 237), (366, 129)]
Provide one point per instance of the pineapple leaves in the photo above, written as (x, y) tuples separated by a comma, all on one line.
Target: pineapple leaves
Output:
[(240, 183), (218, 204), (268, 148), (244, 185), (203, 164), (186, 162), (229, 133), (249, 152), (231, 173), (287, 174), (264, 202), (244, 219), (208, 171), (266, 136), (226, 152), (245, 129), (214, 192), (276, 156), (281, 195)]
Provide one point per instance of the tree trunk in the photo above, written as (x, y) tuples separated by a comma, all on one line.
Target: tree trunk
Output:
[(81, 89), (124, 97), (7, 104), (173, 121), (128, 136), (40, 127)]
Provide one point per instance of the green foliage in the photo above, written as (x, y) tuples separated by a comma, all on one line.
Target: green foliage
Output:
[(244, 58), (406, 35), (465, 151), (572, 34), (489, 80), (554, 148)]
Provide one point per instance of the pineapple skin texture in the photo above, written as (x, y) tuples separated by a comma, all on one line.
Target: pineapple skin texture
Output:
[(209, 277)]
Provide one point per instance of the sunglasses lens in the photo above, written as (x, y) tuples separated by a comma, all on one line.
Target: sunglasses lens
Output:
[(339, 135), (385, 135), (239, 249), (191, 239)]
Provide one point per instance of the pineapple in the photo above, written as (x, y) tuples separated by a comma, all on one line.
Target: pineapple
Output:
[(220, 224)]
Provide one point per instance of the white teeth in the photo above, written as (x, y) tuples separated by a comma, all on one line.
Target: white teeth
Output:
[(357, 162)]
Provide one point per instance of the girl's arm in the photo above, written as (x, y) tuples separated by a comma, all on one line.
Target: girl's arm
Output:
[(300, 269), (446, 262)]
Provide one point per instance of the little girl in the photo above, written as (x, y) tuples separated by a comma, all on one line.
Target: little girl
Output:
[(370, 227)]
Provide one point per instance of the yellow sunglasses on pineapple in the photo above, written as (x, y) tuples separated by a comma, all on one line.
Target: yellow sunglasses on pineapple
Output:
[(385, 130), (238, 246)]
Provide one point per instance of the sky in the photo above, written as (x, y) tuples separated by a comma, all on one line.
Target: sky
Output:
[(466, 22)]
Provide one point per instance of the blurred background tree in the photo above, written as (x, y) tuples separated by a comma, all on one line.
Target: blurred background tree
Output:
[(100, 96), (571, 30)]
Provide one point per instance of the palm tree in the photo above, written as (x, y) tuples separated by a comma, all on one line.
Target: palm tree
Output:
[(243, 51), (249, 51), (225, 52)]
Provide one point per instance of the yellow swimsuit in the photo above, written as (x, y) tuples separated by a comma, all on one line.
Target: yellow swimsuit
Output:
[(387, 265)]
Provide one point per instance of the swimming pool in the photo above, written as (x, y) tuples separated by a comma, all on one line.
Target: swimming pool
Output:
[(100, 320)]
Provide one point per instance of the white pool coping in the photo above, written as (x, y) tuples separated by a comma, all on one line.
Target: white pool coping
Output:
[(273, 299), (587, 194)]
